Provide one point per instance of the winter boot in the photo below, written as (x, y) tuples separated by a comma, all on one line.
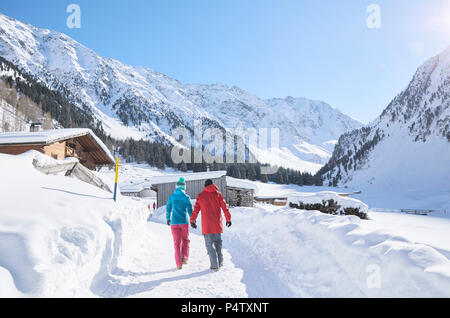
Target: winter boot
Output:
[(185, 261)]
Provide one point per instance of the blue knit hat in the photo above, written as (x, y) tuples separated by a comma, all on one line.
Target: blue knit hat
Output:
[(181, 184)]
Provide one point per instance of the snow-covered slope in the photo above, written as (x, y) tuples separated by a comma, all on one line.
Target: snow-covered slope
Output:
[(141, 103), (406, 151)]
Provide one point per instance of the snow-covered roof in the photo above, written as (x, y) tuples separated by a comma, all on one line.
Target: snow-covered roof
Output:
[(271, 197), (135, 188), (239, 183), (47, 137), (188, 177), (41, 137)]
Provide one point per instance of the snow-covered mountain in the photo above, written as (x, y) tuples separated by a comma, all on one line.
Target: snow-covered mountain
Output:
[(141, 103), (407, 149)]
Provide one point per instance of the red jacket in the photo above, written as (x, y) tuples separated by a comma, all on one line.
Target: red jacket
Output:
[(209, 202)]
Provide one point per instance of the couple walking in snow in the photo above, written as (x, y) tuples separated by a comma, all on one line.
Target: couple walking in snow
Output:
[(179, 214)]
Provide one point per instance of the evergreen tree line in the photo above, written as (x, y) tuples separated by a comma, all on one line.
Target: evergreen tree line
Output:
[(159, 155)]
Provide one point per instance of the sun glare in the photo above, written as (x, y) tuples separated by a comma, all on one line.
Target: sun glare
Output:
[(439, 20)]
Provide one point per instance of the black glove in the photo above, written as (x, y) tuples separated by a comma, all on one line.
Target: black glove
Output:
[(168, 222), (194, 226), (228, 224)]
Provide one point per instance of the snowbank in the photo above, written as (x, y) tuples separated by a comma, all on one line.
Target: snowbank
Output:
[(41, 160), (8, 289), (59, 237), (293, 253)]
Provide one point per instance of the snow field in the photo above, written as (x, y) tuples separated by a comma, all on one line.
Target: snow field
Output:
[(60, 237)]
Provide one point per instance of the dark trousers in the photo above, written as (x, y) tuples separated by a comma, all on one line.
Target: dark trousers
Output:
[(213, 244)]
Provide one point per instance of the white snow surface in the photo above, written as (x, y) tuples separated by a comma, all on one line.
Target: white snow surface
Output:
[(240, 183), (41, 160), (417, 177), (69, 239), (332, 256)]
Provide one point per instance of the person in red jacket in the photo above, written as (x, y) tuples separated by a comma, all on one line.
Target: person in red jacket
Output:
[(210, 202)]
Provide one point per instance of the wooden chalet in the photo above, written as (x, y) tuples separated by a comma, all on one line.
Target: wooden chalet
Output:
[(80, 143)]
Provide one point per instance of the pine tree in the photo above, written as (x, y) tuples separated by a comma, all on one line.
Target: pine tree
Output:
[(251, 173), (279, 177), (264, 178), (235, 172), (243, 171)]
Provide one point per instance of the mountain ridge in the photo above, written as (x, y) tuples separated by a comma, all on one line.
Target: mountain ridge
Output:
[(138, 102), (406, 150)]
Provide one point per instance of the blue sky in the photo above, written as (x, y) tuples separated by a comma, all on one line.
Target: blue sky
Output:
[(318, 49)]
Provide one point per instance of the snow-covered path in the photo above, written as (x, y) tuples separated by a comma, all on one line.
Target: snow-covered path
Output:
[(146, 268)]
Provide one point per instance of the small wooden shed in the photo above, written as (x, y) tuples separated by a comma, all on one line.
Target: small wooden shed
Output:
[(80, 143), (195, 183), (240, 193)]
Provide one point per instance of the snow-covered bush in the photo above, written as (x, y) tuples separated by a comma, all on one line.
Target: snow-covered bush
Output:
[(328, 202)]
